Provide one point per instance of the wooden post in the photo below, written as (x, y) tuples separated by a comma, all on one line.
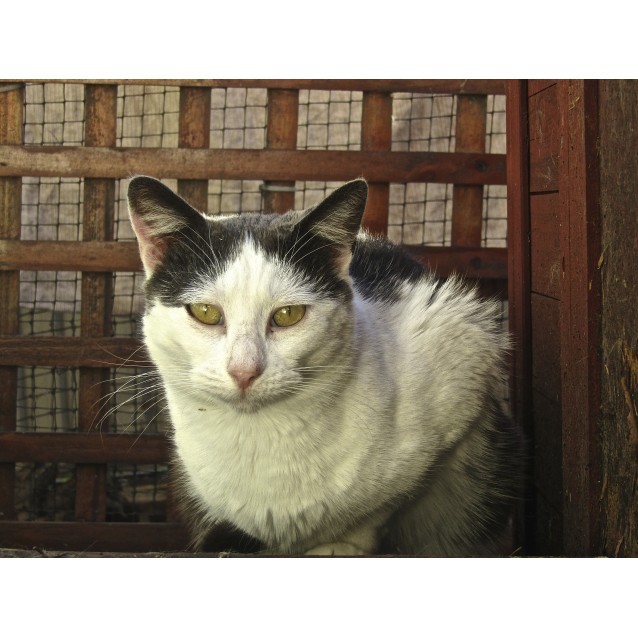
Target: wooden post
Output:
[(580, 314), (467, 200), (519, 281), (281, 133), (376, 135), (194, 132), (11, 122), (97, 295)]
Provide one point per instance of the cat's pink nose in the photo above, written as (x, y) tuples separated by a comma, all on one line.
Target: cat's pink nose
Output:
[(244, 377)]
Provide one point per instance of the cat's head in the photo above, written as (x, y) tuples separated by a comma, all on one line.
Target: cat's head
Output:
[(246, 309)]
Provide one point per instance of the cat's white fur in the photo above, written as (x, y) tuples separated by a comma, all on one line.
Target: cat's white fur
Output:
[(357, 412), (304, 472)]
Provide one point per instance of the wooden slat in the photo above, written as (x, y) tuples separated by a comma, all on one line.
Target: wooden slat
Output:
[(376, 135), (544, 140), (467, 200), (100, 129), (86, 256), (580, 315), (72, 352), (194, 132), (275, 165), (519, 281), (281, 133), (94, 537), (391, 86), (123, 256), (83, 447), (11, 109), (545, 244)]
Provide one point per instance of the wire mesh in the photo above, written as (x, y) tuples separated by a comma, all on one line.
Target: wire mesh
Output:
[(148, 116)]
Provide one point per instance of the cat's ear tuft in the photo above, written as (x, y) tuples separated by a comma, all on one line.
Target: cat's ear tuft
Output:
[(157, 214), (337, 219)]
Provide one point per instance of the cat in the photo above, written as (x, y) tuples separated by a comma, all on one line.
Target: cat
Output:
[(328, 394)]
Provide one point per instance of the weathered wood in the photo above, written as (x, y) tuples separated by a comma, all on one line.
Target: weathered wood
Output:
[(467, 200), (275, 165), (580, 315), (83, 447), (94, 537), (376, 135), (489, 263), (281, 133), (519, 283), (536, 86), (545, 244), (617, 263), (86, 256), (194, 132), (496, 87), (11, 120), (544, 140), (545, 344), (72, 352), (100, 129)]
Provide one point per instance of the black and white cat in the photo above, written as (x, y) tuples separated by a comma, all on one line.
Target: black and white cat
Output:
[(328, 395)]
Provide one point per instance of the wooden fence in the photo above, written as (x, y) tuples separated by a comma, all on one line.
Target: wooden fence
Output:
[(99, 163)]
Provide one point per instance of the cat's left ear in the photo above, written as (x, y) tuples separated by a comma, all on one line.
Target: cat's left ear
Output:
[(157, 215), (337, 219)]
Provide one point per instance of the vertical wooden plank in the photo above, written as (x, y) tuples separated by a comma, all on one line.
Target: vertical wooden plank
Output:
[(376, 135), (519, 281), (281, 133), (97, 294), (618, 103), (11, 122), (467, 200), (580, 314), (194, 132)]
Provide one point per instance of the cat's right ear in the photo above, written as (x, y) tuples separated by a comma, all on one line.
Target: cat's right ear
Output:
[(157, 215)]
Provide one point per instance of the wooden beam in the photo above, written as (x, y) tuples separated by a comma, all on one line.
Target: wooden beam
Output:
[(194, 132), (473, 263), (94, 537), (281, 133), (376, 135), (83, 447), (85, 256), (11, 120), (72, 352), (580, 328), (100, 126), (519, 283), (496, 87), (274, 164), (467, 200)]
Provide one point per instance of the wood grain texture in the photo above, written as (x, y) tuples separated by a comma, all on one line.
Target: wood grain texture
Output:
[(467, 200), (376, 135), (391, 86), (619, 274), (11, 121), (580, 315), (281, 133), (194, 132), (544, 140), (275, 165), (545, 244)]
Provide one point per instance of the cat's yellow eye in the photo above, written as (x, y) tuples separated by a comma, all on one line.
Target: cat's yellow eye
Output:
[(288, 316), (206, 313)]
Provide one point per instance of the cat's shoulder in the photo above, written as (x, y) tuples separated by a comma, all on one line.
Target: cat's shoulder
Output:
[(380, 269)]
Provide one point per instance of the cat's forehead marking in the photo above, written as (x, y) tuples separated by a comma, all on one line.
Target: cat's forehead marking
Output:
[(253, 274)]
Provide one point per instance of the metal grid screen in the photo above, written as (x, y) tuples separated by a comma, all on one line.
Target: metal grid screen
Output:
[(420, 214)]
